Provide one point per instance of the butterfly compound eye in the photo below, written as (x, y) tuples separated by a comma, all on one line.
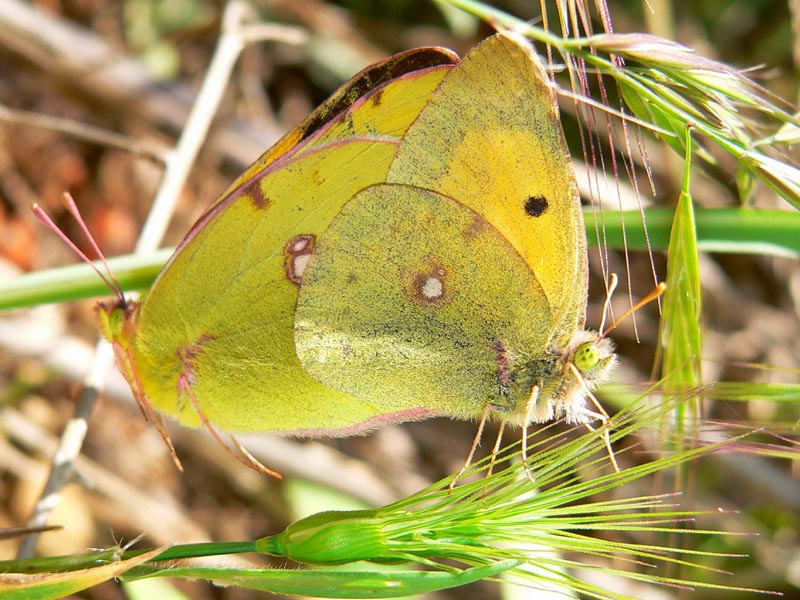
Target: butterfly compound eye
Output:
[(587, 356)]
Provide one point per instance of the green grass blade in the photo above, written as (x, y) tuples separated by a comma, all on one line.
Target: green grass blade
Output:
[(44, 586), (680, 334), (340, 584), (79, 281), (738, 231)]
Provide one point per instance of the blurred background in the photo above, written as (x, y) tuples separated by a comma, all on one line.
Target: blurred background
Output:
[(132, 68)]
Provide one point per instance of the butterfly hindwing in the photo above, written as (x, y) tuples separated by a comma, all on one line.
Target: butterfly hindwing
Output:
[(412, 300)]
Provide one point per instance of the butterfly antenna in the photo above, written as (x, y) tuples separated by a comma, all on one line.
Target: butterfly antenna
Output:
[(69, 203), (613, 280), (657, 292)]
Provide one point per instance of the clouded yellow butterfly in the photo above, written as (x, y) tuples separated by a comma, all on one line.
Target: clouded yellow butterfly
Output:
[(415, 248)]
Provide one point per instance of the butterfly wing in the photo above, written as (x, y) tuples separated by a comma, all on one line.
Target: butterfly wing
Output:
[(491, 138), (411, 299), (488, 216), (220, 316), (406, 65), (480, 158)]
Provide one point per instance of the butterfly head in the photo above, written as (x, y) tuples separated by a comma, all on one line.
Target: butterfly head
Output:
[(592, 355), (562, 383), (117, 320), (586, 362)]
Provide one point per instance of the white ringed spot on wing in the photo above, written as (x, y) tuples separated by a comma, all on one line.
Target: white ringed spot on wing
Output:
[(427, 285), (297, 252)]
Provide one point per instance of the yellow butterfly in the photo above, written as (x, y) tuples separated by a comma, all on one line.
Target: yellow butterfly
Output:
[(416, 248)]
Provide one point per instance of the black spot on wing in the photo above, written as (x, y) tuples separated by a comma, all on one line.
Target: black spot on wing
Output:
[(535, 206)]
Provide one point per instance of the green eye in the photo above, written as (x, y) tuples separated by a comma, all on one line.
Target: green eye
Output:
[(115, 320), (112, 320), (587, 356)]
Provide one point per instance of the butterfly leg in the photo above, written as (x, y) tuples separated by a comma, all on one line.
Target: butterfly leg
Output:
[(600, 415), (606, 420), (496, 448), (124, 358), (606, 440), (475, 443), (529, 408), (243, 456)]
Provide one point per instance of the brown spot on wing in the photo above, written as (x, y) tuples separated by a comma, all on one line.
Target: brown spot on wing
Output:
[(377, 98), (476, 227), (296, 255), (503, 370), (253, 192)]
